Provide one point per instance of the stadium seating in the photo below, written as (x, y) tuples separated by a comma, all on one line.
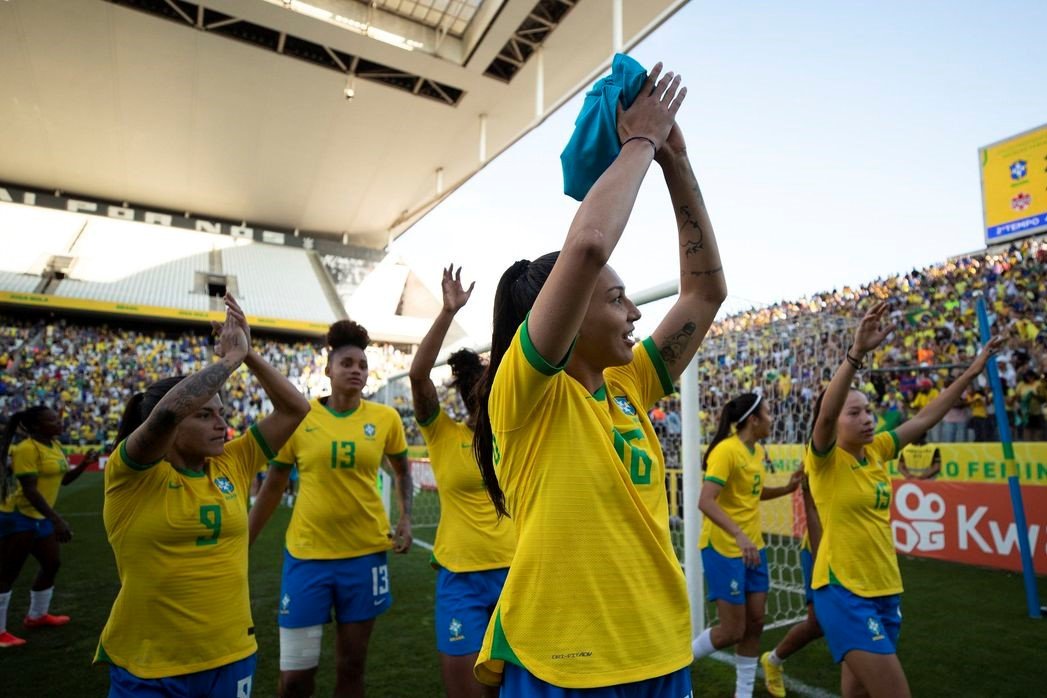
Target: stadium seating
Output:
[(787, 350)]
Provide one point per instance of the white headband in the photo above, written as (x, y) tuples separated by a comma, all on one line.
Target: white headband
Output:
[(750, 410)]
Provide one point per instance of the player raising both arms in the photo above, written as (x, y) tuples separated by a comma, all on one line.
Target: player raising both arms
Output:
[(595, 598), (176, 515), (473, 546), (339, 532), (857, 585)]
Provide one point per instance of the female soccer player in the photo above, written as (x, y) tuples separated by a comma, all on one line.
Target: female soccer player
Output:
[(29, 524), (176, 515), (731, 541), (857, 586), (595, 597), (473, 545), (339, 531)]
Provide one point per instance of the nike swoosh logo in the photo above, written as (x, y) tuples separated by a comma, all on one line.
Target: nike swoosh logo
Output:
[(379, 602), (466, 445), (309, 429), (174, 486)]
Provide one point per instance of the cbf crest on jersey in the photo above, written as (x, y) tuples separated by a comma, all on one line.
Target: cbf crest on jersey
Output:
[(625, 405), (369, 430), (225, 486)]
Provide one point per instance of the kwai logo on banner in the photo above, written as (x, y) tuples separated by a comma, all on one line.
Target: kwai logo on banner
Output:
[(967, 522)]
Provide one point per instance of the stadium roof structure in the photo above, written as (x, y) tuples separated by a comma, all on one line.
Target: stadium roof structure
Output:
[(240, 109)]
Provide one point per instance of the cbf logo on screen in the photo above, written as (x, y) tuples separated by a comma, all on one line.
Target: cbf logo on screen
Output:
[(1018, 170)]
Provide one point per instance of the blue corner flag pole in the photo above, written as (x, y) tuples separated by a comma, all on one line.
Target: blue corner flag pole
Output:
[(1032, 595)]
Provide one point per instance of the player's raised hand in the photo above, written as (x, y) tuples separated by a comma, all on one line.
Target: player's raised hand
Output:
[(232, 335), (873, 329), (455, 294), (653, 112), (991, 347)]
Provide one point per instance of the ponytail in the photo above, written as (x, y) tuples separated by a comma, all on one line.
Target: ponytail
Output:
[(141, 405), (466, 368), (734, 414), (513, 299), (19, 420)]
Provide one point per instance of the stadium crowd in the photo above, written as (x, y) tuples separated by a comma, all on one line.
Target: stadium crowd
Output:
[(87, 371), (783, 351)]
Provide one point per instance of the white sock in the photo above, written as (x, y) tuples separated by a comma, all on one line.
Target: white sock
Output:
[(40, 602), (253, 499), (745, 676), (774, 659), (5, 601), (702, 646)]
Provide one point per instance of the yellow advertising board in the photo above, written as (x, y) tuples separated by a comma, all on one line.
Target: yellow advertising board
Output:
[(41, 300), (1014, 186)]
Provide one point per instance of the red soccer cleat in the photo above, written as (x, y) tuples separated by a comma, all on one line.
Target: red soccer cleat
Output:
[(9, 640), (45, 620)]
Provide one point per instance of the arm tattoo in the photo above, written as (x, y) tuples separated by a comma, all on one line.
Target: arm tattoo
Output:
[(675, 345), (187, 396), (692, 246), (707, 272)]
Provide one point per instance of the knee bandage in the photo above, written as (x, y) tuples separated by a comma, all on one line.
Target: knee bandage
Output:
[(300, 648)]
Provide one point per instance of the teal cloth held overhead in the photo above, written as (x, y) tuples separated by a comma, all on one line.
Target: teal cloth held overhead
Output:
[(594, 144)]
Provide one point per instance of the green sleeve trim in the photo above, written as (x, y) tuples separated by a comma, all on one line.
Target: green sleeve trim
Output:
[(28, 473), (897, 443), (132, 464), (280, 464), (536, 360), (718, 481), (500, 648), (101, 656), (397, 455), (659, 365), (822, 454), (257, 434), (431, 419)]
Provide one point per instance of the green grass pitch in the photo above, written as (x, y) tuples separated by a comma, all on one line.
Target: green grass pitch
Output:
[(965, 630)]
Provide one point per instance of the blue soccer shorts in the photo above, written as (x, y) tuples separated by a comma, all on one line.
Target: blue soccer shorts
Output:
[(728, 579), (464, 604), (17, 522), (356, 589), (517, 682), (227, 681), (807, 565), (853, 622)]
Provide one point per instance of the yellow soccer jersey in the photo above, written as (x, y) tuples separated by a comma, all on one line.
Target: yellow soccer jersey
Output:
[(854, 501), (918, 459), (470, 537), (180, 542), (338, 512), (595, 596), (44, 461), (741, 473)]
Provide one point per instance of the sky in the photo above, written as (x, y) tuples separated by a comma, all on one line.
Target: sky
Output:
[(834, 143)]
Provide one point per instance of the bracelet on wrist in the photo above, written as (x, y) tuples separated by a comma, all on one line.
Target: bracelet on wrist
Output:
[(640, 138), (856, 363)]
